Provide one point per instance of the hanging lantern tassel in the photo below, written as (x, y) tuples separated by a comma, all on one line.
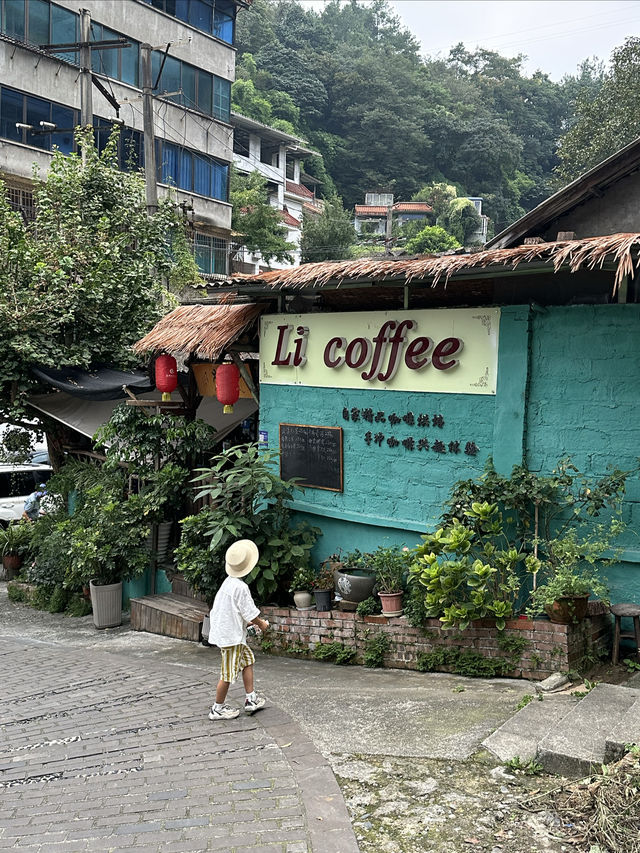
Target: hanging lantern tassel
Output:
[(166, 375), (227, 386)]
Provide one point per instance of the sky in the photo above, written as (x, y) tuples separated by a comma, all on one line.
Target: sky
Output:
[(556, 35)]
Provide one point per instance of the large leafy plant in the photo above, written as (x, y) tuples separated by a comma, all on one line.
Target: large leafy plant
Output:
[(245, 500), (470, 570)]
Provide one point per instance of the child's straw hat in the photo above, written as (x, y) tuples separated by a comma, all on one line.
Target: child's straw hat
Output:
[(241, 557)]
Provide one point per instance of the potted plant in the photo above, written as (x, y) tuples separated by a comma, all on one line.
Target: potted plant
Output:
[(571, 573), (354, 577), (323, 585), (302, 587), (14, 545), (107, 544), (390, 565)]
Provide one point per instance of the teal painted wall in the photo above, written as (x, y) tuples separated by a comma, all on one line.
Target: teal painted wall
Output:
[(583, 401), (568, 380)]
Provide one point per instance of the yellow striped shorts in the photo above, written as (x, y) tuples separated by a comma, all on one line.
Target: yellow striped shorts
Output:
[(234, 660)]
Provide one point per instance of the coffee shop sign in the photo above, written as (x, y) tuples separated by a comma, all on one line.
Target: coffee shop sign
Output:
[(456, 352)]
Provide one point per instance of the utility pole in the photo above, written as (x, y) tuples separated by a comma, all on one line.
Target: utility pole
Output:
[(389, 230), (150, 174), (86, 91)]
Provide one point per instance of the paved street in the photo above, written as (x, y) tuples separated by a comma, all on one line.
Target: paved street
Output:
[(102, 751)]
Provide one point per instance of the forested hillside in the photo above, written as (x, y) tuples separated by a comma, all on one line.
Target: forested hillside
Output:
[(351, 80)]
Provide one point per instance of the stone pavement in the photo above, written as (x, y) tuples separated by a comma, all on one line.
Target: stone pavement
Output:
[(102, 751), (105, 745)]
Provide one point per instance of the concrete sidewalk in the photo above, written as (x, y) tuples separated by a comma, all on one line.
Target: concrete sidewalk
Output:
[(106, 745)]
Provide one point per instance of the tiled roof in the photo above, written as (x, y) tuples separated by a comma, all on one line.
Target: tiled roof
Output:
[(398, 207), (288, 219), (298, 189)]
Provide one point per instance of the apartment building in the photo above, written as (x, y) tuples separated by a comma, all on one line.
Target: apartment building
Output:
[(50, 82), (278, 157)]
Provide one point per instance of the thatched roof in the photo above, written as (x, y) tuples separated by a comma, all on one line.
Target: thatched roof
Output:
[(199, 331), (590, 252)]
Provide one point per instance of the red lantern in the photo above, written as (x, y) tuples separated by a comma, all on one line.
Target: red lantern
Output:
[(227, 386), (166, 375)]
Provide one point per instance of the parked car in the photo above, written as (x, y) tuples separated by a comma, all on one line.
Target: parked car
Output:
[(17, 482)]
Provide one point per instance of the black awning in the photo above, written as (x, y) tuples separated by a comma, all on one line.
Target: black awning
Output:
[(99, 383)]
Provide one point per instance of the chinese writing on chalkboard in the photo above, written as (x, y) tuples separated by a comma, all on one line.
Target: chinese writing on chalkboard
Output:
[(373, 437)]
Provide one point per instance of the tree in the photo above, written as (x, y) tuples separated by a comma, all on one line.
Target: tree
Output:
[(327, 237), (431, 240), (256, 220), (89, 278), (461, 220), (607, 122)]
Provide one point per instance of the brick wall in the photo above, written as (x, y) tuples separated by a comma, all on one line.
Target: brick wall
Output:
[(551, 647)]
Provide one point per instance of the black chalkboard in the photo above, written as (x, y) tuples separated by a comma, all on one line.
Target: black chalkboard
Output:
[(312, 453)]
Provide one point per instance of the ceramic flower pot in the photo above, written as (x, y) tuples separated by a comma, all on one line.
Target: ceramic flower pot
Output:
[(568, 609), (303, 599), (12, 563), (354, 585), (391, 603)]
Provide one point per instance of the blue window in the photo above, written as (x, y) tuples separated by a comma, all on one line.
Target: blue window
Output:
[(11, 111), (221, 98), (14, 22), (130, 144), (64, 29), (38, 110), (17, 107), (193, 172), (216, 17), (121, 63), (64, 119), (38, 22), (199, 89), (210, 253)]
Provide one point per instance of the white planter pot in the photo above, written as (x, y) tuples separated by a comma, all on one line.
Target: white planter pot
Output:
[(106, 602), (303, 599)]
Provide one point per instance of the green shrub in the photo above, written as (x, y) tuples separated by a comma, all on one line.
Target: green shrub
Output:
[(18, 593), (463, 662), (369, 606), (336, 652), (375, 649), (78, 606)]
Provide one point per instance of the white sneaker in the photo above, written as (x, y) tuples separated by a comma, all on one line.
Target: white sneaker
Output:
[(224, 713), (253, 705)]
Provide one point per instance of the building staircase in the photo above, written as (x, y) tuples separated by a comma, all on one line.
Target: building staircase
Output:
[(568, 735), (178, 613)]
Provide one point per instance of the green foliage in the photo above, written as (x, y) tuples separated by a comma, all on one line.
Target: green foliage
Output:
[(329, 236), (588, 687), (461, 219), (17, 593), (463, 662), (375, 648), (88, 278), (390, 564), (78, 606), (369, 606), (17, 444), (631, 665), (524, 702), (525, 768), (431, 240), (607, 112), (15, 538), (512, 645), (256, 220), (323, 578), (470, 570), (336, 652), (302, 580), (246, 500)]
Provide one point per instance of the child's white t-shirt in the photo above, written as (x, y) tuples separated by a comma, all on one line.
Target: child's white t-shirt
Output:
[(233, 609)]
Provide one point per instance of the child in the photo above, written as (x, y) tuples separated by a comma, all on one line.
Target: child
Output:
[(233, 609)]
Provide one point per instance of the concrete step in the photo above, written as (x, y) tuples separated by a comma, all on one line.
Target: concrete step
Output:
[(521, 735), (578, 742), (626, 731), (169, 615)]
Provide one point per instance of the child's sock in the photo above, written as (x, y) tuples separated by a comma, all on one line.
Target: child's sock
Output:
[(217, 705), (251, 696)]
